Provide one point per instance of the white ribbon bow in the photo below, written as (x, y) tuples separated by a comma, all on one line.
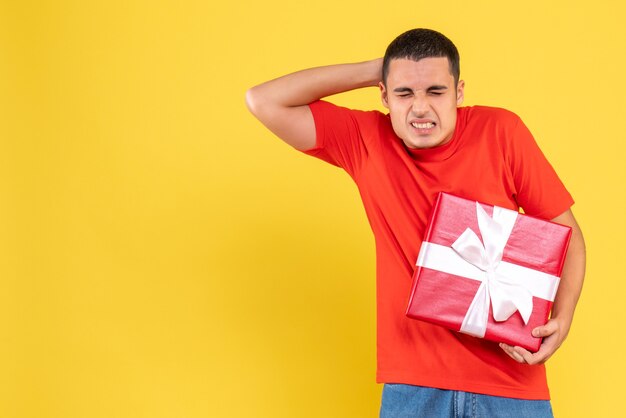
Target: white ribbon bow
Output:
[(505, 294)]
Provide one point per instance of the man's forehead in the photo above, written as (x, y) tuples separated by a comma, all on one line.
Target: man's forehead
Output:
[(425, 68)]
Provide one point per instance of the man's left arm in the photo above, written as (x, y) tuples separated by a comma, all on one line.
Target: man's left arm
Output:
[(556, 329)]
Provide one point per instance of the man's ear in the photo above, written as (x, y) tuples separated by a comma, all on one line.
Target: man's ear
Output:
[(460, 92), (383, 94)]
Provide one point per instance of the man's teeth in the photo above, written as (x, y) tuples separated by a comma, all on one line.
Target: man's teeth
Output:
[(427, 125)]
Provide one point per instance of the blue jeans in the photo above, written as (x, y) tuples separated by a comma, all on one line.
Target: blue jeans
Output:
[(404, 401)]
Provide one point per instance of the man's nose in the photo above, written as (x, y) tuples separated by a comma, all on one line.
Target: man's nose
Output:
[(420, 105)]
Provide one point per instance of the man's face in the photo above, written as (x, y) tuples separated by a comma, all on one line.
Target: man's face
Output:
[(422, 100)]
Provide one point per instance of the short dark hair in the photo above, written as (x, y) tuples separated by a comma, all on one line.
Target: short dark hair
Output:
[(416, 44)]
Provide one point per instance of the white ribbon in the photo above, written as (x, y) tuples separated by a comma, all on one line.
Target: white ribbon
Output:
[(507, 287)]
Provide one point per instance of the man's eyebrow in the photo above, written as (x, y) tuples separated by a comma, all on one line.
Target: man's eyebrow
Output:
[(437, 87)]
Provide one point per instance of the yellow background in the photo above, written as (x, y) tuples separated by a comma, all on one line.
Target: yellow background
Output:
[(163, 255)]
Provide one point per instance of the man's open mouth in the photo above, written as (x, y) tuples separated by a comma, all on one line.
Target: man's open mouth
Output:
[(425, 125)]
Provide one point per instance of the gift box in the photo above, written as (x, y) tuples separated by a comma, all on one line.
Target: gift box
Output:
[(488, 271)]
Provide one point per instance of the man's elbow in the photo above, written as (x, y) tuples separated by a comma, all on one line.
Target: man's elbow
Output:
[(252, 100)]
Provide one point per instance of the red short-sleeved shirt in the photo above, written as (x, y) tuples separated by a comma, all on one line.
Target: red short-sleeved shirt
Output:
[(493, 158)]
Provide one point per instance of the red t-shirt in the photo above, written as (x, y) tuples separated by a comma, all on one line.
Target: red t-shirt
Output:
[(492, 158)]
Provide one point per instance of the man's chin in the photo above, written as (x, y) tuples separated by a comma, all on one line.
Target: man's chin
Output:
[(422, 143)]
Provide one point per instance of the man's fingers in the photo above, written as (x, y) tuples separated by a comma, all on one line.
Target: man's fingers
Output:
[(535, 358), (540, 356), (550, 333), (521, 355), (526, 355), (512, 353), (545, 330), (548, 347)]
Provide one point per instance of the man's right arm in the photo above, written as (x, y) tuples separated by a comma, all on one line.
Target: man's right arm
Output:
[(282, 104)]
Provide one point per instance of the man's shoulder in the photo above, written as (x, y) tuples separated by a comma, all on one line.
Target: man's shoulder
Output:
[(489, 114), (370, 123)]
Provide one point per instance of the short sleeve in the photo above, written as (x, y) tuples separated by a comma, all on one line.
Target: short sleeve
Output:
[(340, 135), (539, 191)]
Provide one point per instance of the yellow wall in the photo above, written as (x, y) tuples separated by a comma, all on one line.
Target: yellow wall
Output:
[(161, 252)]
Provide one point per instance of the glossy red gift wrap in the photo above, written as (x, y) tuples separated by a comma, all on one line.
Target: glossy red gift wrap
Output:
[(449, 290)]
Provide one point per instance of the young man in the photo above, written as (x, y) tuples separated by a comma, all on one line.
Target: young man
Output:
[(400, 161)]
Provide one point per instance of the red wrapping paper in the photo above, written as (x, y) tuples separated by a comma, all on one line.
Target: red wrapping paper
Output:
[(444, 299)]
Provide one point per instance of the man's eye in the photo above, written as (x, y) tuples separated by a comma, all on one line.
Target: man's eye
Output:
[(404, 95), (436, 93)]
